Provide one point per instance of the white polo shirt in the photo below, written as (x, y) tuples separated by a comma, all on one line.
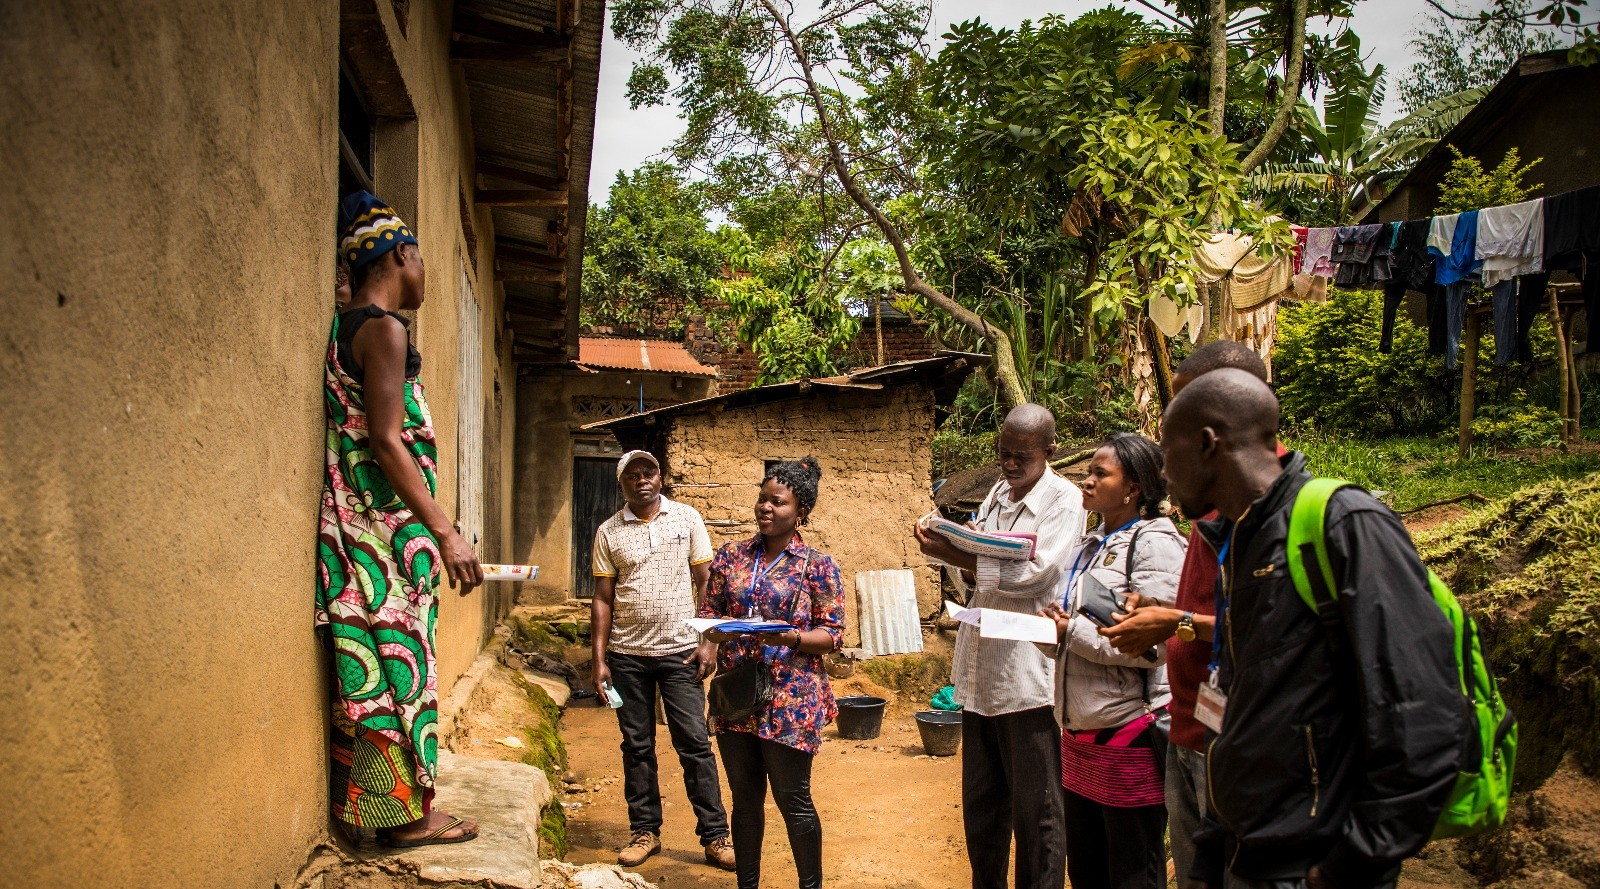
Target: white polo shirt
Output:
[(655, 591)]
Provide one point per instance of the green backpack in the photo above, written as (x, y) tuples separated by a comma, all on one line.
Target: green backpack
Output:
[(1478, 801)]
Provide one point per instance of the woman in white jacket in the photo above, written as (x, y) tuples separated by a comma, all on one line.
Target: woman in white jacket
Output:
[(1112, 707)]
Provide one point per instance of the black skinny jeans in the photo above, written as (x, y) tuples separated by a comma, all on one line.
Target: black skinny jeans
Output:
[(752, 763)]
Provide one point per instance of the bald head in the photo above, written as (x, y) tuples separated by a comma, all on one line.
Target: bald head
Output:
[(1033, 422), (1025, 445), (1219, 438), (1218, 355), (1235, 403)]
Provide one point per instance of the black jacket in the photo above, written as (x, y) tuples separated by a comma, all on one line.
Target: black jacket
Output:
[(1342, 761)]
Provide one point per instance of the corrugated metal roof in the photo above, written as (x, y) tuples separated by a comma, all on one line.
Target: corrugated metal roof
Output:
[(945, 372), (655, 356), (887, 612), (533, 129)]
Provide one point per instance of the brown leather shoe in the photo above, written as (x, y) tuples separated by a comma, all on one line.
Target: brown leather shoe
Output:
[(643, 845), (719, 853)]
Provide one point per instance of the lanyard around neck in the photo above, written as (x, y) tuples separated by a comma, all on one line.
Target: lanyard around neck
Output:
[(757, 575), (1080, 565), (1223, 601)]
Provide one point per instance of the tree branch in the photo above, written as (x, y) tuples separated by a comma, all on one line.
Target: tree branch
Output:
[(1291, 90), (1005, 365)]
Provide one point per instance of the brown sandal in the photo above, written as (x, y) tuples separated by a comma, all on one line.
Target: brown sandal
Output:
[(432, 838)]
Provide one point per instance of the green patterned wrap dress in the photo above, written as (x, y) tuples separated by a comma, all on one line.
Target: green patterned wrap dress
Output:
[(377, 577)]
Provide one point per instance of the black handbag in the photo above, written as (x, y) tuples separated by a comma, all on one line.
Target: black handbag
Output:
[(744, 691)]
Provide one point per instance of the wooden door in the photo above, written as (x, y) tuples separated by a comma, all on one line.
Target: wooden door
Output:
[(595, 497)]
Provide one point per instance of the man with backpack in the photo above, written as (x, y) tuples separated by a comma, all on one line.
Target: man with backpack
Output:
[(1337, 733)]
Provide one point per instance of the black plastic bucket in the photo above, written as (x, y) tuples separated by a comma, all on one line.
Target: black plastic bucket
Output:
[(861, 717), (941, 731)]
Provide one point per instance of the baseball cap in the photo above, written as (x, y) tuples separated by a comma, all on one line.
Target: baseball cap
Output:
[(631, 456)]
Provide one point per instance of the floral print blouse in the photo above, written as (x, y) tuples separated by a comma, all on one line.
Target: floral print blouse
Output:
[(803, 588)]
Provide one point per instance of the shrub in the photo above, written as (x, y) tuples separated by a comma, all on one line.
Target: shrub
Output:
[(1516, 425), (1330, 373)]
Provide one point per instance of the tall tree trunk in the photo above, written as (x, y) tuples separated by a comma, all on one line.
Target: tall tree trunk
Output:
[(877, 323), (1217, 46), (1005, 366), (1291, 90), (1162, 358)]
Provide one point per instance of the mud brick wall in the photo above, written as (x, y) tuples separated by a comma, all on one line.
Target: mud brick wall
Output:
[(876, 463)]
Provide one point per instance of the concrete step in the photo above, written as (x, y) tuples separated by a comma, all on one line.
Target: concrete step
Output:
[(507, 800)]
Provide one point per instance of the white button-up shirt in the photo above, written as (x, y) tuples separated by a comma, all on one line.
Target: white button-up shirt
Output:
[(994, 677)]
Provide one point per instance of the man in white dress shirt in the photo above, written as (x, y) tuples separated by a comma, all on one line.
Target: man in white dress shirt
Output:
[(1010, 744)]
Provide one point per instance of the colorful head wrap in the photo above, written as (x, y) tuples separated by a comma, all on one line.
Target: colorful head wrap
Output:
[(369, 229)]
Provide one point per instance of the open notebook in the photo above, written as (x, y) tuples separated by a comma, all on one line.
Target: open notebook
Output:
[(994, 544)]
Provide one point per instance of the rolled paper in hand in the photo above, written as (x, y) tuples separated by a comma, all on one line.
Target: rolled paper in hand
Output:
[(510, 572)]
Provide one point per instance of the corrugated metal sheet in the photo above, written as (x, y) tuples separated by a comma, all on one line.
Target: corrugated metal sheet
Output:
[(658, 356), (887, 612)]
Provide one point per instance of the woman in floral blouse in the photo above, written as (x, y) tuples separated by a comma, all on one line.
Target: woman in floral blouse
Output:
[(776, 576)]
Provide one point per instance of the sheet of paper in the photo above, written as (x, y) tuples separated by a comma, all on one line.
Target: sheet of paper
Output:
[(964, 615), (993, 623), (997, 624), (701, 624)]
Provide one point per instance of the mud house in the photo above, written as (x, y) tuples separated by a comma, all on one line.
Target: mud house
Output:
[(168, 220), (567, 481), (871, 430), (1542, 107)]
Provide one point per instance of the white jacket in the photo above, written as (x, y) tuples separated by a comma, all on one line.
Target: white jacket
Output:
[(1097, 686)]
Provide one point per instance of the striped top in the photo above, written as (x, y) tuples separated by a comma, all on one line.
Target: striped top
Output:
[(1114, 766)]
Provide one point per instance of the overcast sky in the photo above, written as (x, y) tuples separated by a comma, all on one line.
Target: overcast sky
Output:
[(625, 138)]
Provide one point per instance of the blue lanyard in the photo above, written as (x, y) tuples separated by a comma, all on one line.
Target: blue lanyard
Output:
[(1221, 625), (1079, 565), (757, 575)]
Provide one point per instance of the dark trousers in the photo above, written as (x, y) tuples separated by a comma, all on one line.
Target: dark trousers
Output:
[(752, 764), (638, 680), (1112, 848), (1011, 786)]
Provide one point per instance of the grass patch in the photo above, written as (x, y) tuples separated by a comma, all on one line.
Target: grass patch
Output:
[(1417, 470), (548, 753), (913, 677), (1528, 568)]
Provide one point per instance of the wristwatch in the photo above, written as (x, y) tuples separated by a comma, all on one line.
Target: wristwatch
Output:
[(1185, 631)]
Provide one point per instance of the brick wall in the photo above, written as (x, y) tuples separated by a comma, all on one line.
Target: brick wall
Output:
[(876, 459)]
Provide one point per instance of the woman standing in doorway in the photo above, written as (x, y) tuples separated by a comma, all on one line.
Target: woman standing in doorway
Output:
[(775, 576), (1112, 706), (380, 543)]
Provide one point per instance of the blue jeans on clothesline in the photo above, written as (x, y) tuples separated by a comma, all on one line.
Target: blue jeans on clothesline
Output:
[(1455, 313)]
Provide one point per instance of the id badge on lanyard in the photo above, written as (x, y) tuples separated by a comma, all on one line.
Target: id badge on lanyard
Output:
[(1211, 702)]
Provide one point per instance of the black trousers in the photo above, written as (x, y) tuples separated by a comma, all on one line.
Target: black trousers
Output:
[(752, 764), (1112, 848), (1011, 786), (638, 680)]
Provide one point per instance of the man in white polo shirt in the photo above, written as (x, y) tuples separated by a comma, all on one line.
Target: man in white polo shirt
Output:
[(651, 563)]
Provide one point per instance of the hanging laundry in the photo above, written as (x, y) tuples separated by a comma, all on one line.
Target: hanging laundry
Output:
[(1317, 258), (1256, 327), (1455, 320), (1361, 255), (1300, 233), (1510, 241), (1394, 293), (1530, 303), (1170, 318), (1572, 243), (1462, 260), (1441, 234), (1410, 261), (1248, 278), (1503, 297)]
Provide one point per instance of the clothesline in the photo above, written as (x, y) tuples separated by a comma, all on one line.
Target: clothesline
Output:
[(1510, 250)]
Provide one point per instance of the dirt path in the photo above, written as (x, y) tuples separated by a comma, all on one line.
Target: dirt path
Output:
[(891, 818)]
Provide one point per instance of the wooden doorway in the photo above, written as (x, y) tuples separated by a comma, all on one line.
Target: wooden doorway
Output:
[(595, 496)]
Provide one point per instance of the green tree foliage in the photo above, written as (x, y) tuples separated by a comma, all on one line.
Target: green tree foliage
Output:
[(1346, 158), (650, 260), (795, 323), (1468, 186), (1330, 374), (1453, 55)]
